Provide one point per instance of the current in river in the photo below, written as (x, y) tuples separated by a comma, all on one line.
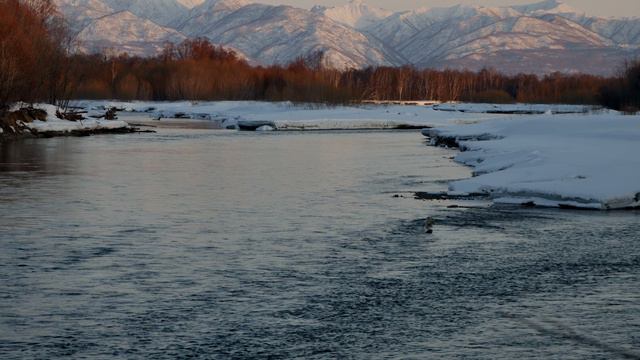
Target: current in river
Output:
[(201, 243)]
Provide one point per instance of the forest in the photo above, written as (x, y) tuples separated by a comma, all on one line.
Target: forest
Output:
[(38, 64)]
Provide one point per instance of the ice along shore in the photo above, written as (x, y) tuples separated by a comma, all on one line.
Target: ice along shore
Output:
[(586, 161)]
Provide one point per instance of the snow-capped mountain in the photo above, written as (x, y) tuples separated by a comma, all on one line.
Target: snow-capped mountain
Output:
[(280, 34), (542, 37), (132, 35), (356, 14), (471, 35), (81, 13), (162, 12)]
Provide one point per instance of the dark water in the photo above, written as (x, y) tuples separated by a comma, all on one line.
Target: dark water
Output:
[(213, 244)]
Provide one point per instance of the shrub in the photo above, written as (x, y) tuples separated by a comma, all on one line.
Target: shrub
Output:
[(623, 93), (492, 97)]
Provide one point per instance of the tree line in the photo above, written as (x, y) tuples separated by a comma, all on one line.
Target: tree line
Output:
[(37, 64), (34, 53)]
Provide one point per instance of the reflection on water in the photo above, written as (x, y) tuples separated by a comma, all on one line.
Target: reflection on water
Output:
[(35, 157), (218, 244)]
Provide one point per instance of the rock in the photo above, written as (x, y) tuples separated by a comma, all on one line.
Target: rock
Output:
[(265, 128), (35, 114), (71, 115), (26, 115), (14, 122), (253, 125), (111, 114), (428, 225)]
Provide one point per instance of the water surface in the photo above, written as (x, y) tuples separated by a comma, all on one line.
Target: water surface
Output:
[(217, 244)]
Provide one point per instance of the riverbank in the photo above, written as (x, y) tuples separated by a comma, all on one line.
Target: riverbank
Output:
[(42, 121), (286, 116), (567, 161)]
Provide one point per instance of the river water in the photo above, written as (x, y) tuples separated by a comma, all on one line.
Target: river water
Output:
[(216, 244)]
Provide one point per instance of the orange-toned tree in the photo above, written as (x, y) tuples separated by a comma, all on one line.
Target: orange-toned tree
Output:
[(33, 52)]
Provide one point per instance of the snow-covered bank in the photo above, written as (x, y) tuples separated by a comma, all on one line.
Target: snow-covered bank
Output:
[(583, 161), (523, 109), (54, 126), (288, 116), (62, 126)]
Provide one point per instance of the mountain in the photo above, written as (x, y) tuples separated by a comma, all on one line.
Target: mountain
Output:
[(356, 14), (190, 4), (440, 35), (99, 27), (542, 37), (280, 34), (162, 12), (546, 7), (132, 35), (81, 13)]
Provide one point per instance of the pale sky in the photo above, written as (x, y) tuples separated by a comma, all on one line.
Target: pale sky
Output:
[(618, 8)]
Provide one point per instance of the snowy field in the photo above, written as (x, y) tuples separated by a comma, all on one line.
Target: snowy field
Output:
[(586, 160)]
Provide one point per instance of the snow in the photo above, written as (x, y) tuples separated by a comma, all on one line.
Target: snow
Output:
[(356, 14), (190, 4), (58, 125), (53, 124), (127, 32), (583, 161), (287, 116), (514, 108), (265, 128)]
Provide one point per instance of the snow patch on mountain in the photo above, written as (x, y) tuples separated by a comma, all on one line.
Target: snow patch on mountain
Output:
[(127, 33), (162, 12), (190, 4), (356, 14)]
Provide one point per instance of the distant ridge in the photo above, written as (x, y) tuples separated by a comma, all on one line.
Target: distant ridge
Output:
[(542, 37)]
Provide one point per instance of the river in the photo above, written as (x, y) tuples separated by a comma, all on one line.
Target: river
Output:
[(218, 244)]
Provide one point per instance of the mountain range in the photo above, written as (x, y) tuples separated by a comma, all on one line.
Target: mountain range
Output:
[(538, 38)]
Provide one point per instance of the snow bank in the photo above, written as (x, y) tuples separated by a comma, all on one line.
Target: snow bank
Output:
[(514, 108), (54, 124), (584, 161), (57, 125), (287, 116)]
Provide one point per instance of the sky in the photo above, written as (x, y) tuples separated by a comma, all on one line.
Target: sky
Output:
[(618, 8)]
